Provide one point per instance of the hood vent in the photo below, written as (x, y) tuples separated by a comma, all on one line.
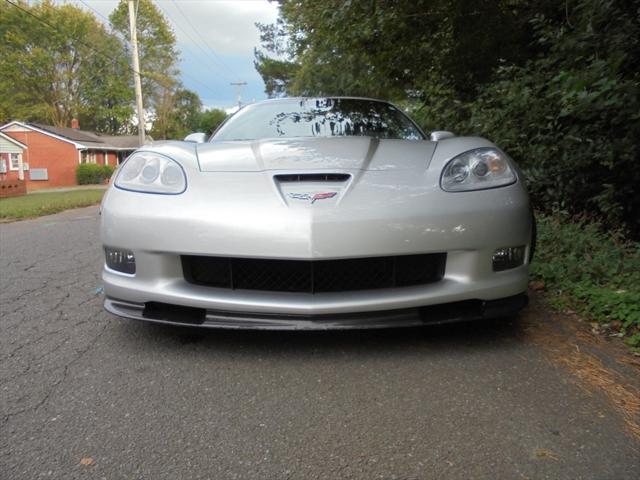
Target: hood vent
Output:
[(312, 177)]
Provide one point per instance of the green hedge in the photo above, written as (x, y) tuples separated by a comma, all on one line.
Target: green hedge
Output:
[(569, 117), (590, 270), (91, 173)]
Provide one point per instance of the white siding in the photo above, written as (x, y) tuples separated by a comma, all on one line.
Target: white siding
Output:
[(7, 147)]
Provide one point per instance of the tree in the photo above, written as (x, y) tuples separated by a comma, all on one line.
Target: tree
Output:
[(570, 117), (59, 63), (158, 60), (183, 116), (392, 49), (277, 74), (557, 84), (209, 120)]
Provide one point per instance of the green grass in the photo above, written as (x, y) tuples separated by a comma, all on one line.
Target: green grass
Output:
[(38, 204), (591, 271)]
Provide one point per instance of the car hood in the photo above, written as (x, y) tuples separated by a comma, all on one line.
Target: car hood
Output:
[(310, 154)]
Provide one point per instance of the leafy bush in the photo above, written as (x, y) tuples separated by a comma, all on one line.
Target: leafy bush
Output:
[(570, 118), (594, 272), (92, 173), (556, 84)]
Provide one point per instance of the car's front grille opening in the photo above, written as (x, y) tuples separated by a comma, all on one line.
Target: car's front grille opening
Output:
[(312, 177), (315, 276)]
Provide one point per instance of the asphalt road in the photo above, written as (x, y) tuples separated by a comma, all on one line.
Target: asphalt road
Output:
[(86, 395)]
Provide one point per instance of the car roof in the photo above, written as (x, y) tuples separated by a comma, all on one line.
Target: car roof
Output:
[(336, 97)]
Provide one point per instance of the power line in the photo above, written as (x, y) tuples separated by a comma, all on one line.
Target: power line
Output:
[(87, 46), (94, 10), (219, 65), (204, 40), (197, 57), (99, 52), (193, 79), (107, 21), (127, 41)]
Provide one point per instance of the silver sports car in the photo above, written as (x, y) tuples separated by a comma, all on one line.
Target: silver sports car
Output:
[(317, 213)]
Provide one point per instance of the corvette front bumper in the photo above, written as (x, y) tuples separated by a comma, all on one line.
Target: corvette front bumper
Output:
[(374, 219)]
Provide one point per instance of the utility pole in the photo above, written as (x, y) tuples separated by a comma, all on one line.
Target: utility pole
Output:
[(136, 71), (239, 86)]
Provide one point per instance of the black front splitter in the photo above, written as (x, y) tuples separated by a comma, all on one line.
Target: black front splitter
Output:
[(465, 310)]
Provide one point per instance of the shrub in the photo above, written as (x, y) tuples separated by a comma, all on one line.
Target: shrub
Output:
[(91, 173), (108, 171), (568, 116), (594, 272)]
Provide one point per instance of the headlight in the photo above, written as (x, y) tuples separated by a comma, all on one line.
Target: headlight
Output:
[(477, 170), (151, 173)]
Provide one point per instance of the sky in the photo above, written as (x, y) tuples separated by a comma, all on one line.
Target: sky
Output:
[(216, 42)]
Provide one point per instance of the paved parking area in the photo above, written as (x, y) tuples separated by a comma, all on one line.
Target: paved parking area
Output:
[(85, 395)]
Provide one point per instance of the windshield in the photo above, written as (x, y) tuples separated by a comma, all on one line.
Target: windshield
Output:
[(318, 117)]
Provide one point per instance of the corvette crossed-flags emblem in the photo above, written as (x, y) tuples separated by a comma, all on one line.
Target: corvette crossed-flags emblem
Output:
[(312, 198)]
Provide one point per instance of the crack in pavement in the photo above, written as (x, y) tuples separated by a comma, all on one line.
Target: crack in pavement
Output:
[(79, 354)]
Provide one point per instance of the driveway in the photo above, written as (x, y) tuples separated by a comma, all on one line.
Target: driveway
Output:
[(86, 395)]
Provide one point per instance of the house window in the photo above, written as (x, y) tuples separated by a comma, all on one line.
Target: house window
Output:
[(88, 157), (15, 161)]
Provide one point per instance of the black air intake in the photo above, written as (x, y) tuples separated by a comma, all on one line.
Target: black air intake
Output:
[(312, 177), (314, 276)]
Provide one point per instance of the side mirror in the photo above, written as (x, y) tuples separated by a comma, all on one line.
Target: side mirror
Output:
[(438, 135), (196, 137)]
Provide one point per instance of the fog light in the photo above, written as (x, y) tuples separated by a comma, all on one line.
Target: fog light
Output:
[(506, 258), (120, 260)]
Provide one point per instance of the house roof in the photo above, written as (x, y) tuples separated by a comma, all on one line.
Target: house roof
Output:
[(122, 141), (83, 139), (93, 139), (74, 134)]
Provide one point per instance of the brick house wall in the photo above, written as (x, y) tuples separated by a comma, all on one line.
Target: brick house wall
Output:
[(106, 158), (60, 158), (54, 152)]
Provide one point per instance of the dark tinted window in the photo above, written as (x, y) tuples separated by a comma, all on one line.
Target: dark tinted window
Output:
[(318, 117)]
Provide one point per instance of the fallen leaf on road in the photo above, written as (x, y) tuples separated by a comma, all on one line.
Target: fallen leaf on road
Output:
[(545, 453), (86, 461)]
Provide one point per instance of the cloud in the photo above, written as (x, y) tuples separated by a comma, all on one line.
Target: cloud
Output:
[(227, 27), (215, 40)]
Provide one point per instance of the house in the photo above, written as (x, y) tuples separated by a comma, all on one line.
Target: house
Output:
[(50, 155)]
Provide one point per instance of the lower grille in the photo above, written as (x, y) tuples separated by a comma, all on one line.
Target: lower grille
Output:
[(315, 276)]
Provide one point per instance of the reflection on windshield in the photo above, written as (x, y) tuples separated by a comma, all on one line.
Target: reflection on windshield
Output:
[(319, 117)]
